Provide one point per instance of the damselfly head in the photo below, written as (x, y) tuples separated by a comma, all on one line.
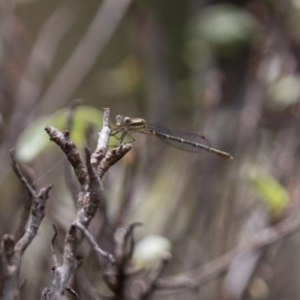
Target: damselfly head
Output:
[(123, 120)]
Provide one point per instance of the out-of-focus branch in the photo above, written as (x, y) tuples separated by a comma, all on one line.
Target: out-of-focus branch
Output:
[(144, 286), (40, 61), (218, 266), (84, 56), (117, 278), (88, 291), (7, 23), (11, 251)]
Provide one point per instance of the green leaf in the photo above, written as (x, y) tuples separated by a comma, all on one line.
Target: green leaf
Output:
[(225, 24), (284, 92), (269, 190), (34, 140)]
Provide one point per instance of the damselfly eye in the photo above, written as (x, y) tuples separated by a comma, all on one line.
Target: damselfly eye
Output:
[(119, 118), (127, 120)]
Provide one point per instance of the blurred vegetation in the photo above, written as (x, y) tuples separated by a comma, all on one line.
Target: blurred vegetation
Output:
[(225, 69)]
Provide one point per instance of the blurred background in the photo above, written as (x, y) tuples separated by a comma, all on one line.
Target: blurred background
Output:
[(226, 69)]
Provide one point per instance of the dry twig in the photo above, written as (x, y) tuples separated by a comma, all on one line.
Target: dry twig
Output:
[(89, 199), (12, 251)]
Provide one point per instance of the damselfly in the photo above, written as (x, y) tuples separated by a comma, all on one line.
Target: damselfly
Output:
[(183, 140)]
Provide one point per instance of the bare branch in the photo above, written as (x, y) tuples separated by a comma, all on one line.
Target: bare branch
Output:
[(103, 138), (37, 209), (28, 187), (124, 243), (37, 215), (11, 251), (89, 200), (69, 148), (62, 274), (112, 157), (99, 251), (70, 261), (26, 206), (53, 255)]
